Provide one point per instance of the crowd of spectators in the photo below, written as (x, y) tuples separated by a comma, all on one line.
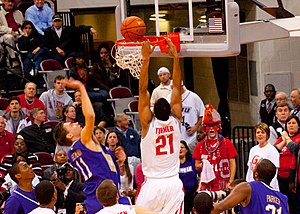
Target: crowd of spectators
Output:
[(25, 131)]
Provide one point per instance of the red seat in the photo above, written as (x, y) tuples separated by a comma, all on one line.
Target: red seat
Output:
[(69, 62), (120, 98), (4, 102), (133, 106), (50, 69), (50, 65), (46, 160), (120, 92), (134, 114)]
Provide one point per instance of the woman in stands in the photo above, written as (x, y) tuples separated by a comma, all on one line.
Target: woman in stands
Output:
[(188, 176), (100, 133), (69, 114), (33, 43), (112, 141), (292, 125), (264, 150), (126, 179), (106, 67)]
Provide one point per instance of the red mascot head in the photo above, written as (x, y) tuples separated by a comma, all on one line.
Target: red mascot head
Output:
[(211, 123)]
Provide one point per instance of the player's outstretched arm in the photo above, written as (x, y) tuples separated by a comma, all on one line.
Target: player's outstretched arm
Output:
[(241, 194), (87, 110), (176, 104), (144, 96)]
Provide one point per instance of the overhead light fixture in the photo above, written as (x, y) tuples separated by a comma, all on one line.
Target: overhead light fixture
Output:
[(159, 19), (159, 15)]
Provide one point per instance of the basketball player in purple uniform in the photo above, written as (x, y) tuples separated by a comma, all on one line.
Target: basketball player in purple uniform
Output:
[(93, 161), (256, 197), (162, 189)]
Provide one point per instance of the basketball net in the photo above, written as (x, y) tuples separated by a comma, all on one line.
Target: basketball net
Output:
[(131, 60), (128, 55)]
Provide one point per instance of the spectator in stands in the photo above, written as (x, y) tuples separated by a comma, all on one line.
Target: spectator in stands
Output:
[(215, 152), (55, 99), (100, 119), (295, 100), (281, 97), (60, 158), (264, 150), (16, 119), (80, 72), (34, 45), (164, 88), (126, 179), (192, 114), (11, 20), (268, 106), (100, 133), (21, 150), (188, 176), (129, 138), (69, 114), (40, 14), (282, 113), (63, 41), (22, 199), (38, 136), (294, 176), (69, 191), (112, 140), (105, 72), (28, 100), (286, 157), (7, 140), (46, 195)]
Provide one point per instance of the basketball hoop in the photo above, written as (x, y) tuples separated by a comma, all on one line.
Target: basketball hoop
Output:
[(128, 54)]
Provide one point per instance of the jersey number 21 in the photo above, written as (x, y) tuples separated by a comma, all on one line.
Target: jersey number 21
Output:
[(164, 145)]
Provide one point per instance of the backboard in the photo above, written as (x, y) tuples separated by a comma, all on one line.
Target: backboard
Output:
[(208, 28)]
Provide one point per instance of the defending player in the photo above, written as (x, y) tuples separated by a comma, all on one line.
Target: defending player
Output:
[(94, 162), (256, 197), (160, 145)]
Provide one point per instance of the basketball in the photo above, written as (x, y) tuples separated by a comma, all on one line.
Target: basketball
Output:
[(133, 29)]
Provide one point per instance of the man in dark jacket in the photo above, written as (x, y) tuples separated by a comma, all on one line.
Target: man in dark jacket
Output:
[(69, 191), (63, 41), (38, 136), (267, 106), (130, 140)]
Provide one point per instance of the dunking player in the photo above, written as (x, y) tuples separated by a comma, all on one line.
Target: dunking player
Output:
[(256, 197), (160, 145), (94, 162)]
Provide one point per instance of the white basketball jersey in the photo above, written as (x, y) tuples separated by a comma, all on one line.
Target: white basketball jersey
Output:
[(117, 209), (160, 148), (192, 109)]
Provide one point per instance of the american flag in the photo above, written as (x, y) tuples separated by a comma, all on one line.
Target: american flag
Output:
[(215, 25)]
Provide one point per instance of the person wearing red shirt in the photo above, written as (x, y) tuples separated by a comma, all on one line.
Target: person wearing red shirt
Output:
[(218, 150), (7, 140), (287, 158), (28, 100)]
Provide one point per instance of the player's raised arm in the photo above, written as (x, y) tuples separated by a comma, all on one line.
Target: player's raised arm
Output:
[(144, 96), (87, 109), (176, 103)]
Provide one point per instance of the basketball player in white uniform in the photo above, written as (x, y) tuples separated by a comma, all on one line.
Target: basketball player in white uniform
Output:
[(162, 190)]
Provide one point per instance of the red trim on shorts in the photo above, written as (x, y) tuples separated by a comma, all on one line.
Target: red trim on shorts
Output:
[(180, 209)]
